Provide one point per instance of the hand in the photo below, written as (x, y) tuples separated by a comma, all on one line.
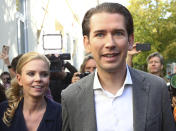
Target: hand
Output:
[(133, 51), (75, 77), (130, 55), (5, 58)]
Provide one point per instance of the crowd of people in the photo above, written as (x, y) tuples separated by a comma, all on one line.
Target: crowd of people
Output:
[(107, 93)]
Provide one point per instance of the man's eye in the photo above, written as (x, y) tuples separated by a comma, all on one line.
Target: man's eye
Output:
[(99, 35), (118, 33), (157, 62)]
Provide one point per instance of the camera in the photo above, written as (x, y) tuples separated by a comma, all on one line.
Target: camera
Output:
[(143, 47), (83, 74), (57, 62)]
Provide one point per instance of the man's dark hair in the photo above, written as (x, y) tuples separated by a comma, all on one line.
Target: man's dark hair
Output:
[(109, 8), (4, 73), (156, 54), (15, 61)]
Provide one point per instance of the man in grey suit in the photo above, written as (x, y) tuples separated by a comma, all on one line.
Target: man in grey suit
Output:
[(115, 97)]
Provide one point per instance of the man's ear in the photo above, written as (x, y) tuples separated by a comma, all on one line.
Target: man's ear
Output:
[(130, 42), (18, 77), (86, 43), (162, 67)]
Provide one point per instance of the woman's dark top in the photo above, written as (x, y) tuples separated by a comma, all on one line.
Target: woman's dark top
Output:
[(51, 120)]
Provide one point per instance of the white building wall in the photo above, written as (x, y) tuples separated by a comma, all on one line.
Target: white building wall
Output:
[(8, 32), (62, 11), (45, 14)]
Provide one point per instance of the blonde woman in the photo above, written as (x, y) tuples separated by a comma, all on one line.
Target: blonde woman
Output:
[(27, 108)]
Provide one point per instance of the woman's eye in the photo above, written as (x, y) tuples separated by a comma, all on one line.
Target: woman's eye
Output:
[(45, 74), (31, 73)]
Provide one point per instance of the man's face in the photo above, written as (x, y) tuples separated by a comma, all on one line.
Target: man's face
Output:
[(108, 41), (154, 65), (6, 79)]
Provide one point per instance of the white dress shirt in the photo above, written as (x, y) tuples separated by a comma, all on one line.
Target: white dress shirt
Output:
[(114, 112)]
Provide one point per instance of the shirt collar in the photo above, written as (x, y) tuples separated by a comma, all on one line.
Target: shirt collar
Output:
[(128, 80), (97, 85)]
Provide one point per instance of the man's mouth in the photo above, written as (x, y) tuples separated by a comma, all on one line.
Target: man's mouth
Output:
[(110, 55)]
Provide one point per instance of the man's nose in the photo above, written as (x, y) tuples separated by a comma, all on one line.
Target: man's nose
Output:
[(153, 62), (110, 42)]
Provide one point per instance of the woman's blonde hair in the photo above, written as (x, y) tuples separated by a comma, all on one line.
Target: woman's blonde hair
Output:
[(14, 94)]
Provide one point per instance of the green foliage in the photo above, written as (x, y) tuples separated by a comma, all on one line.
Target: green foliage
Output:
[(170, 52), (154, 22)]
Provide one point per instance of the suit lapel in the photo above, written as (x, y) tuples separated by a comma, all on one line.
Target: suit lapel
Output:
[(140, 100), (87, 104)]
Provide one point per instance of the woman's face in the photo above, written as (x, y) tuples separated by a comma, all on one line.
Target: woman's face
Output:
[(90, 66), (34, 78)]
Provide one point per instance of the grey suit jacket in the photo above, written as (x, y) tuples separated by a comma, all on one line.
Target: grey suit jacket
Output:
[(151, 104)]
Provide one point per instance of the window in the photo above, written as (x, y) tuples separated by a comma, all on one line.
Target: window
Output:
[(21, 26)]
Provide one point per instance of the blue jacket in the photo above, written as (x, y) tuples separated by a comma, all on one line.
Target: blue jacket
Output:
[(51, 120)]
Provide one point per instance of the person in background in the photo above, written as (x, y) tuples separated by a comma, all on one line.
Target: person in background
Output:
[(130, 55), (59, 77), (174, 106), (155, 61), (5, 77), (116, 96), (2, 93), (27, 108), (59, 80), (88, 65), (11, 66), (155, 64)]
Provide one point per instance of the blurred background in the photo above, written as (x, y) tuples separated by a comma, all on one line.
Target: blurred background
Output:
[(54, 26)]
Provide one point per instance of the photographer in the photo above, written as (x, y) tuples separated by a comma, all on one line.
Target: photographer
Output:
[(59, 78), (155, 61), (88, 66)]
